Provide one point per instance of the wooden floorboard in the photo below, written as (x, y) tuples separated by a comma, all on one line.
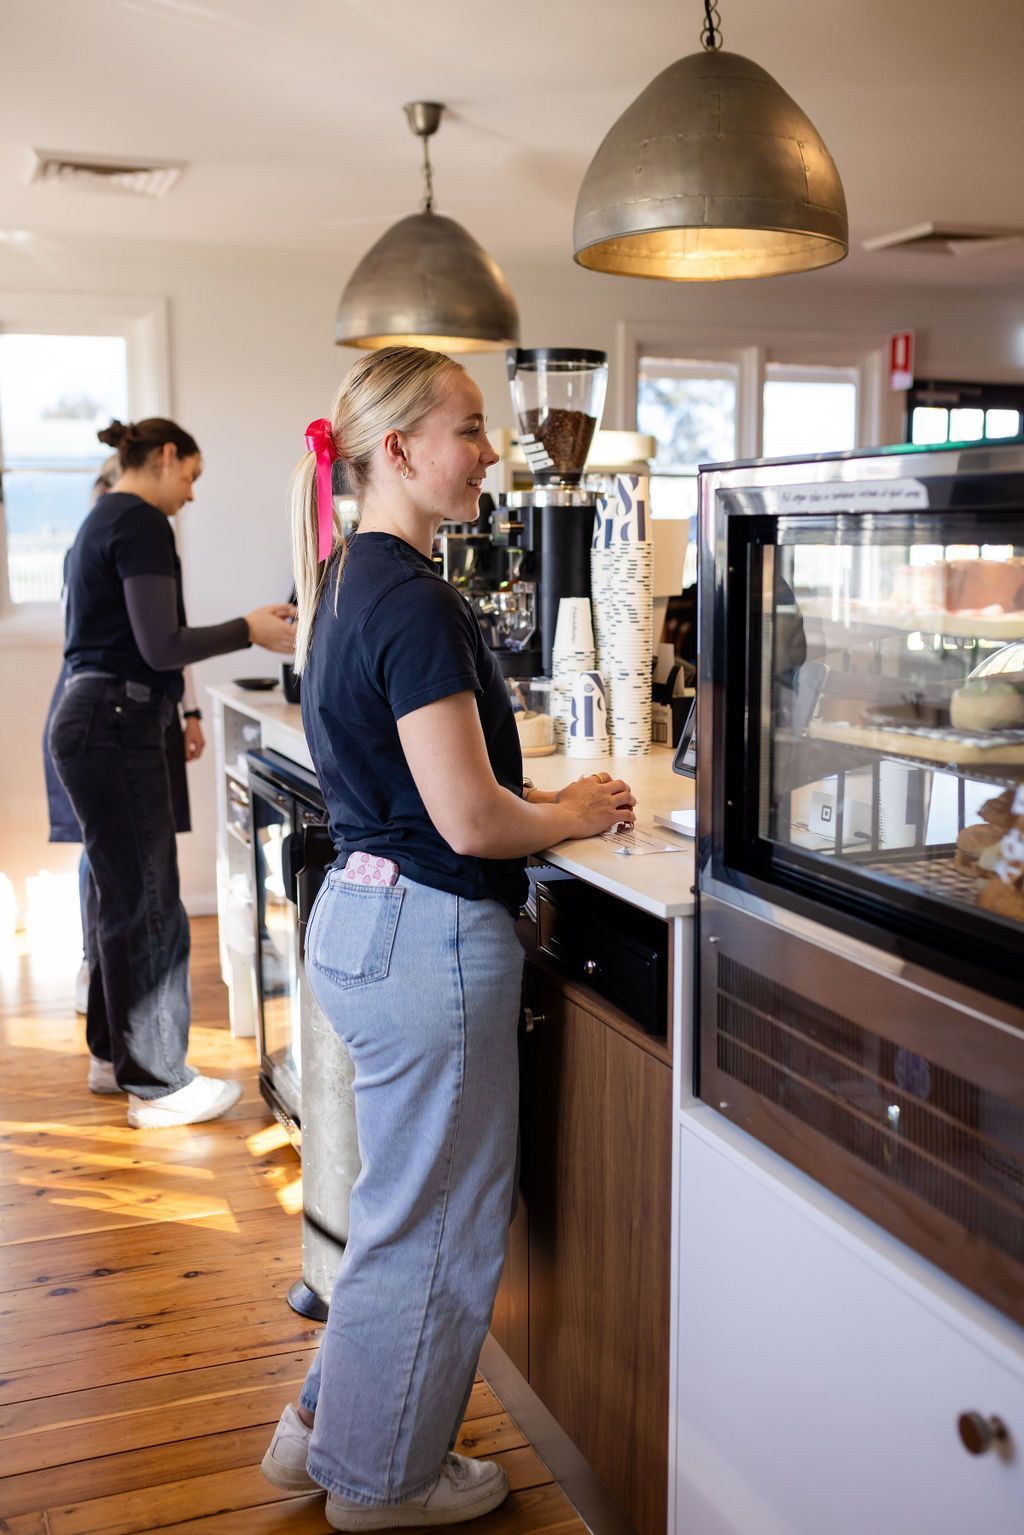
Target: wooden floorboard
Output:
[(146, 1347)]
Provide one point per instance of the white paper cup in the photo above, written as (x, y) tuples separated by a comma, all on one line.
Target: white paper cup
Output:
[(587, 734), (574, 629)]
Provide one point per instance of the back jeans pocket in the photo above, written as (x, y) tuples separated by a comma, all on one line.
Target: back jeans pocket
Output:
[(351, 939), (71, 729)]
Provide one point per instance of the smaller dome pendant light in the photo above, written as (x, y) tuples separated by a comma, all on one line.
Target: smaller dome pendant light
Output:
[(427, 282), (712, 173)]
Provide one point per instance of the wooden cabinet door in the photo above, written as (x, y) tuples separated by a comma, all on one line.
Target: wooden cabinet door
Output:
[(510, 1319), (597, 1180)]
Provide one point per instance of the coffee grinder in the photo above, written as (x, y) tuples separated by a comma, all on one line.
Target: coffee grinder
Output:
[(558, 396)]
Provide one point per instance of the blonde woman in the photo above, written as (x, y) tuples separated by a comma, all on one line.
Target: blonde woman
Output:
[(411, 948)]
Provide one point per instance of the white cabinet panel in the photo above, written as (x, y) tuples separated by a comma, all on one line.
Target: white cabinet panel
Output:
[(815, 1395)]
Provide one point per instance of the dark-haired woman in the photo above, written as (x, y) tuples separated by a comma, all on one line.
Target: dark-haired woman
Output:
[(126, 644)]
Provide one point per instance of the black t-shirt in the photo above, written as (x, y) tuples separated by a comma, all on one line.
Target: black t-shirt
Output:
[(402, 638), (122, 536)]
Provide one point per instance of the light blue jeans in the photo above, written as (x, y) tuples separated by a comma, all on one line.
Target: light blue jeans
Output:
[(423, 987)]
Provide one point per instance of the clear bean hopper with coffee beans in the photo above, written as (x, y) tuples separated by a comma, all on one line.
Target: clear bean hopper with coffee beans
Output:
[(558, 396)]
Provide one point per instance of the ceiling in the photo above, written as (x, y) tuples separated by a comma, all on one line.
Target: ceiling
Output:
[(289, 114)]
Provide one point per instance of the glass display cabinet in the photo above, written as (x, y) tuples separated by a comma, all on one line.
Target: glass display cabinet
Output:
[(861, 835)]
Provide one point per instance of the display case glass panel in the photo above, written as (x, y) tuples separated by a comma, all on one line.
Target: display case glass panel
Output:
[(886, 707)]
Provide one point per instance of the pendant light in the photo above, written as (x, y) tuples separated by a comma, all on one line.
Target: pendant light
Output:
[(427, 282), (712, 173)]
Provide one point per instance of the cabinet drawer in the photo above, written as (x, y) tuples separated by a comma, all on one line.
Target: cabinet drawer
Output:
[(619, 951)]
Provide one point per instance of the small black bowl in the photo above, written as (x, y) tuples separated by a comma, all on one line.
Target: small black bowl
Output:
[(256, 684)]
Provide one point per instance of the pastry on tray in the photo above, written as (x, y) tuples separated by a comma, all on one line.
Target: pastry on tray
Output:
[(1003, 891), (999, 811), (986, 704), (1002, 899), (972, 843)]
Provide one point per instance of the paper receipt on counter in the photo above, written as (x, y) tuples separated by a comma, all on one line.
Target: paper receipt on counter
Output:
[(634, 844)]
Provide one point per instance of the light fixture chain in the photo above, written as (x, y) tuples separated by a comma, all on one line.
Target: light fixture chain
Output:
[(711, 32), (428, 179)]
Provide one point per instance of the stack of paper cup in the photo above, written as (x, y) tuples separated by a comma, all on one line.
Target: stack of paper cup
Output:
[(622, 585), (572, 651), (588, 721)]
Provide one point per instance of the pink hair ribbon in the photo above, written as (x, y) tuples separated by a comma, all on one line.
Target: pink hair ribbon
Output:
[(320, 440)]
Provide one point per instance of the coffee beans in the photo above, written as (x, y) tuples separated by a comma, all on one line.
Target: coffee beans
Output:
[(560, 440)]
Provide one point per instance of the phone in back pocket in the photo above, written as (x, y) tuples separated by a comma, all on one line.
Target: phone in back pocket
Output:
[(369, 869)]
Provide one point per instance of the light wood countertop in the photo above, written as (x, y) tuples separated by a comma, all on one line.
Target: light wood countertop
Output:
[(660, 883)]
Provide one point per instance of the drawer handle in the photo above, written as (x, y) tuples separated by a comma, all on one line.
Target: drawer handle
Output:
[(590, 967), (532, 1019), (978, 1434)]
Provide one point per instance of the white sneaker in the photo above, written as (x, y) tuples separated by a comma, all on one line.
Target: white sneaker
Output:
[(284, 1464), (465, 1489), (202, 1098), (101, 1076), (82, 989)]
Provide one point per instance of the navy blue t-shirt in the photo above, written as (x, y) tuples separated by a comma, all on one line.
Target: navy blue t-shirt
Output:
[(122, 536), (402, 637)]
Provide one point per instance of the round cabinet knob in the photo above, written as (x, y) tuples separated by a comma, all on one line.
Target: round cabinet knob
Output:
[(978, 1434), (531, 1019), (590, 967)]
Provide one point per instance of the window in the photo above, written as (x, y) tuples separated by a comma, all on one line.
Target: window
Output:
[(708, 398), (939, 412), (68, 363), (808, 410), (689, 407), (56, 391)]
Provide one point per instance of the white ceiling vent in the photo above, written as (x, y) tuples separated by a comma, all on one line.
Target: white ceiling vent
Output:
[(104, 173), (950, 240)]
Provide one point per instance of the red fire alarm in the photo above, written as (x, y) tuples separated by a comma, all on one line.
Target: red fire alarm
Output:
[(901, 360)]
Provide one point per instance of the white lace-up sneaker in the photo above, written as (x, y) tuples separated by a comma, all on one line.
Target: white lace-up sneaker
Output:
[(284, 1464), (465, 1489), (101, 1076), (201, 1099)]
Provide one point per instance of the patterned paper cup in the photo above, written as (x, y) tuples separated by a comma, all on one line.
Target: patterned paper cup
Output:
[(588, 718)]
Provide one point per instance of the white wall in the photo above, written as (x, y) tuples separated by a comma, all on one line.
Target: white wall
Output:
[(252, 360)]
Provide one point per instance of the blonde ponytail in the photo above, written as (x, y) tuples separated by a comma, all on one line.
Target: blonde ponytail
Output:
[(389, 390), (310, 576)]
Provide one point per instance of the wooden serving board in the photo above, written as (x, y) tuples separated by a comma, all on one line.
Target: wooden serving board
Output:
[(999, 748)]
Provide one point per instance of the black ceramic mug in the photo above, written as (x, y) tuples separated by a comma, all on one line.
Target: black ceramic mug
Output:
[(291, 682)]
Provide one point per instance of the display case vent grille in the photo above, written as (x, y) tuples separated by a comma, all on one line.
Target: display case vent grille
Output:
[(937, 1135)]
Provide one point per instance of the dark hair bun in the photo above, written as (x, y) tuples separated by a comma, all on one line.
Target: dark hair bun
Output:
[(114, 434), (137, 440)]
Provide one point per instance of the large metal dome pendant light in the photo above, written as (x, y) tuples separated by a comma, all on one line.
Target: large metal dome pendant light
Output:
[(427, 282), (712, 173)]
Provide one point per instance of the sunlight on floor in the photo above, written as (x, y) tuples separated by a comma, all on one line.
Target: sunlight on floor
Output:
[(271, 1139), (53, 920), (290, 1197)]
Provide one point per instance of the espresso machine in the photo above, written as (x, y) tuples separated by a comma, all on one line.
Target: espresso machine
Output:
[(499, 580), (533, 548)]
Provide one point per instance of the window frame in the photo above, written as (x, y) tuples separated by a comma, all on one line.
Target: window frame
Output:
[(880, 411), (142, 322)]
